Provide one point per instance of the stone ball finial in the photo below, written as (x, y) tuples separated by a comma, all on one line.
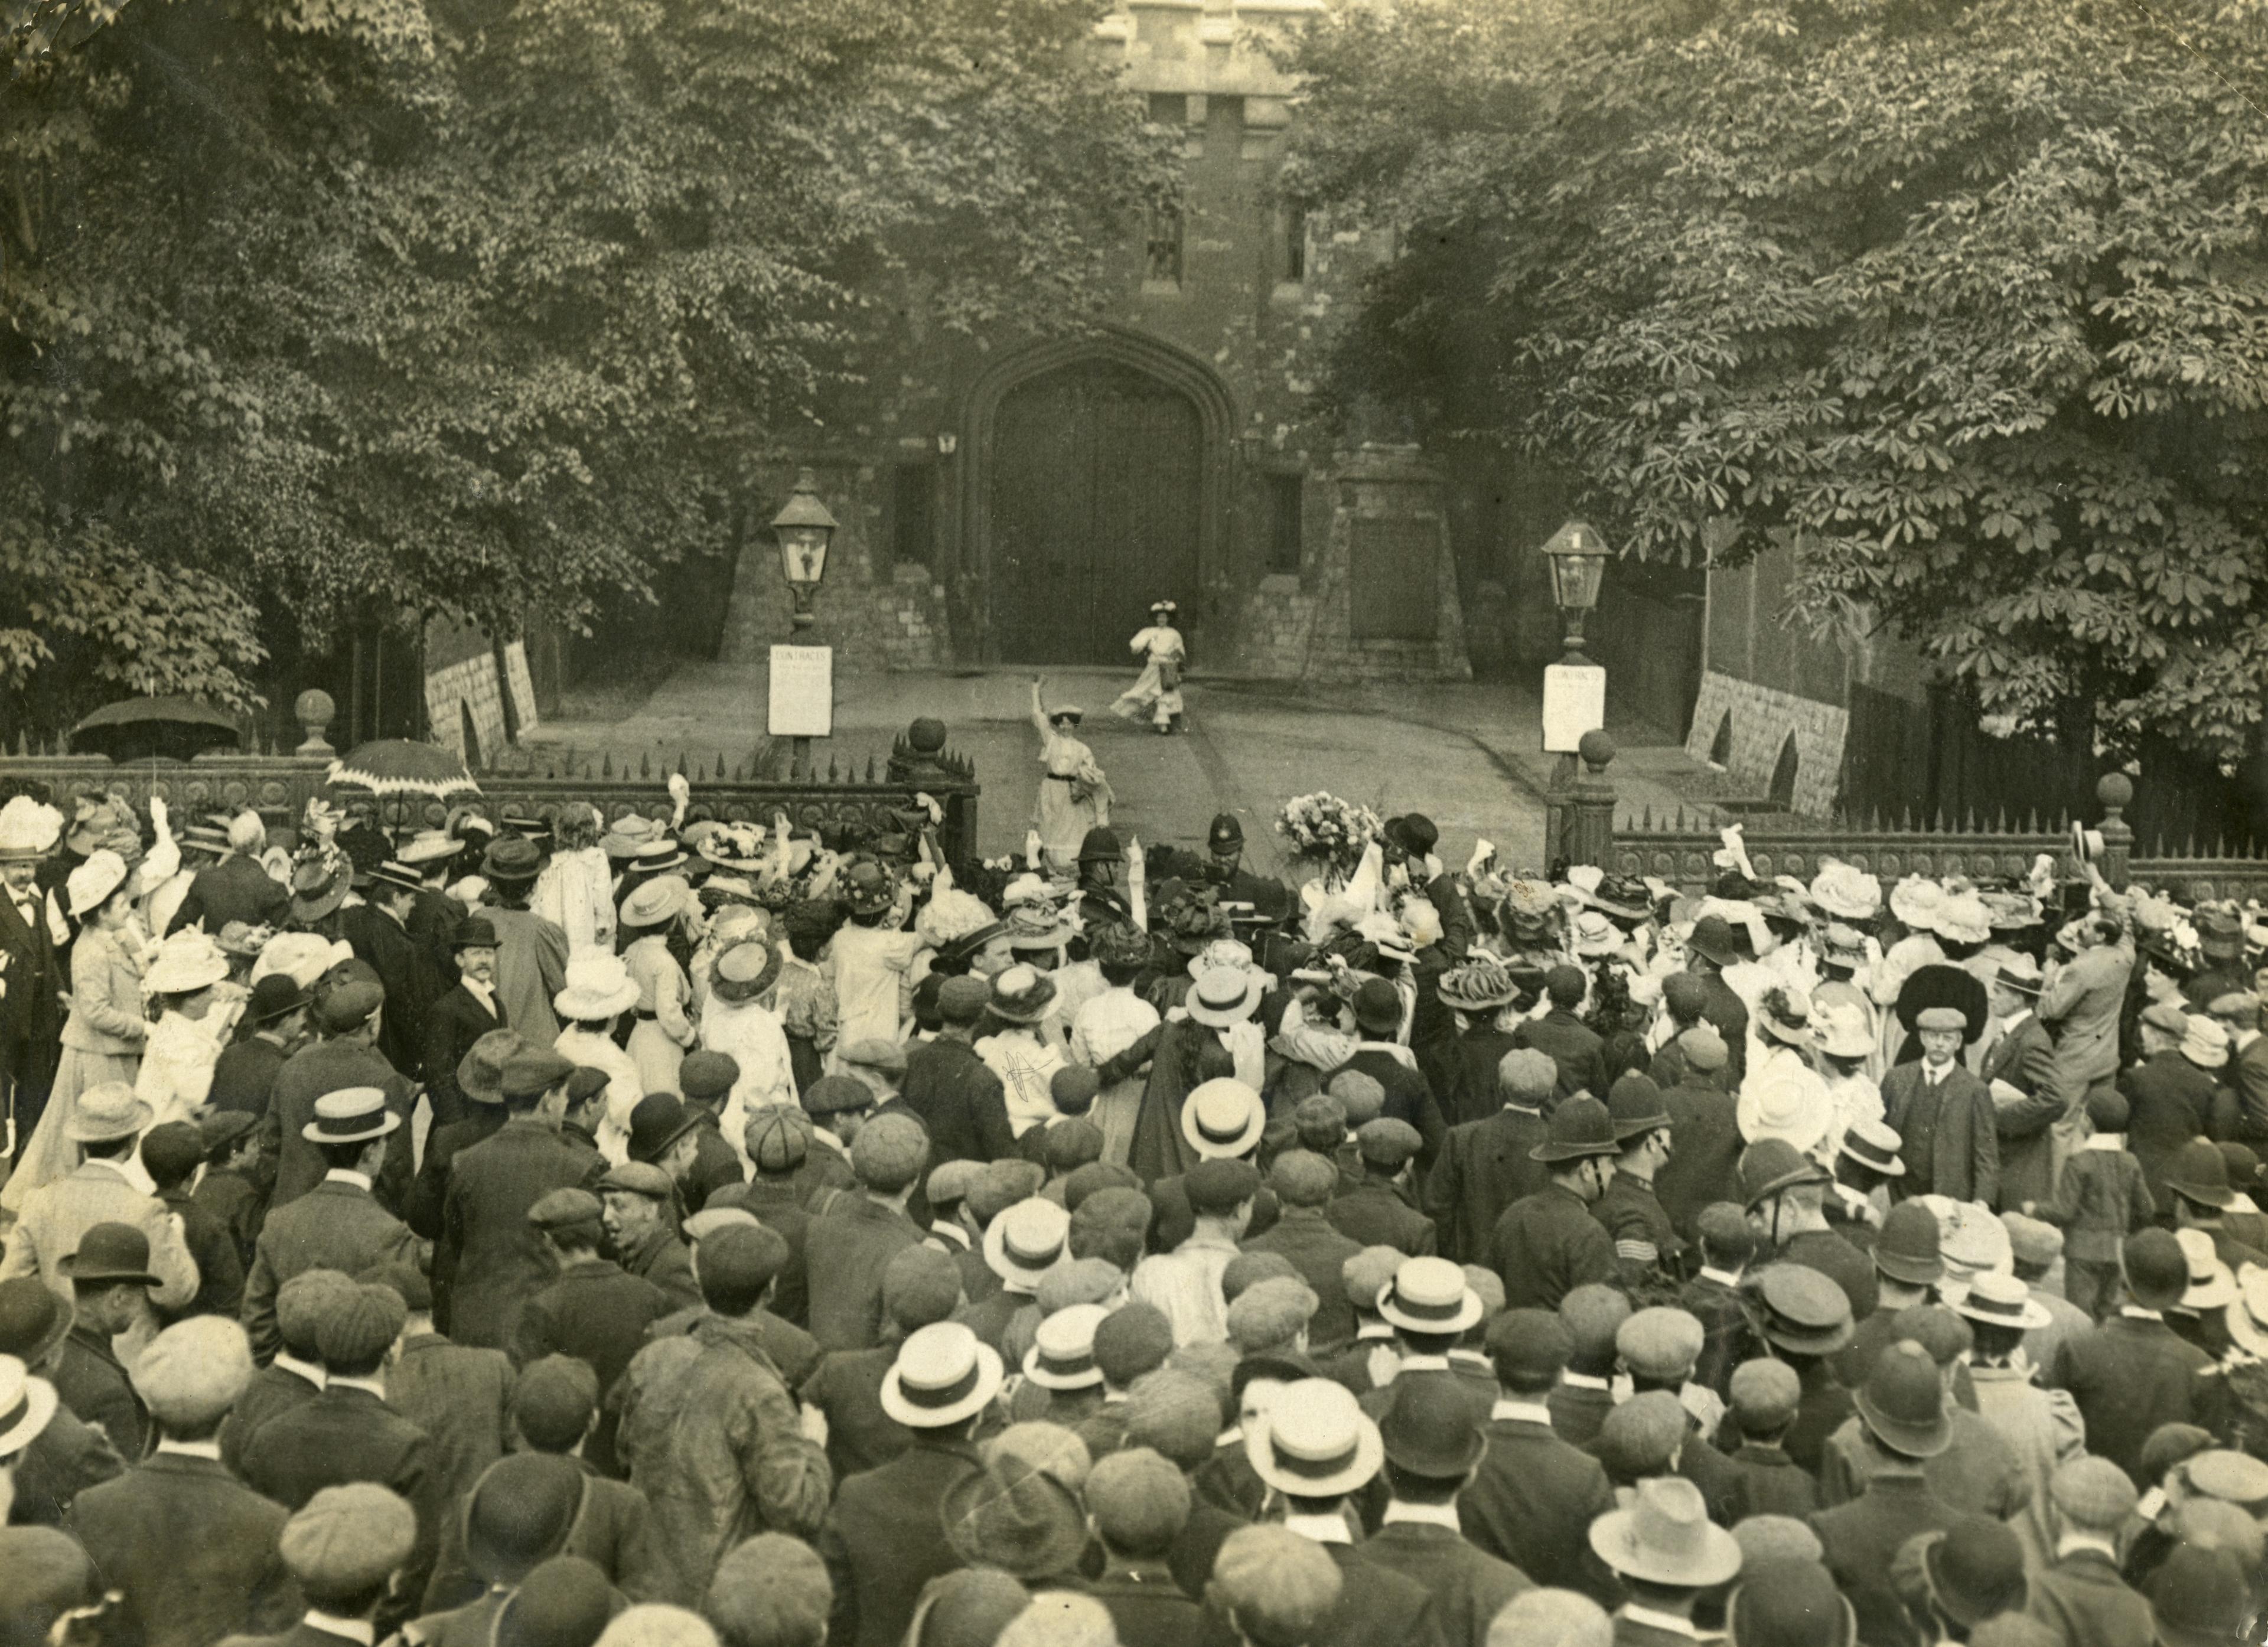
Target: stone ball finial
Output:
[(315, 711), (926, 736), (1597, 749), (2115, 790)]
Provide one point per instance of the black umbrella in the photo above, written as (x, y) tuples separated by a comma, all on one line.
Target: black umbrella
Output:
[(137, 729)]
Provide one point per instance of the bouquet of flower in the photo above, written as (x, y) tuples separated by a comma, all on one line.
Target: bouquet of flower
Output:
[(1328, 831)]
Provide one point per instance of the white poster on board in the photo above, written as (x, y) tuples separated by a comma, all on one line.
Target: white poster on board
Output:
[(802, 700), (1574, 702)]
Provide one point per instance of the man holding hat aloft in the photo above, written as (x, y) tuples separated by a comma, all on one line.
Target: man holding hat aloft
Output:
[(736, 1461), (882, 1539), (847, 1250), (191, 1548), (493, 1260), (2081, 1596), (1316, 1447), (1548, 1244), (347, 1008), (106, 1187), (1432, 1436), (1485, 1165), (339, 1224), (1666, 1552)]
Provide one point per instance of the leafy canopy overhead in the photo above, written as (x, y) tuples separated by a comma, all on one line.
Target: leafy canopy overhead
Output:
[(323, 311), (1964, 301)]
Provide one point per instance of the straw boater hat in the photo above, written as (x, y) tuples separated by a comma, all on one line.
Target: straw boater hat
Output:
[(943, 1375), (1027, 1241), (1221, 951), (2211, 1285), (1224, 995), (1999, 1300), (349, 1115), (1061, 1356), (1430, 1294), (599, 986), (1665, 1537), (1873, 1144), (28, 1405), (428, 846), (656, 902), (1223, 1118), (1845, 892), (28, 830), (1314, 1441)]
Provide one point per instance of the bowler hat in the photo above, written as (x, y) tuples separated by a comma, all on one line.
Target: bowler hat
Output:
[(273, 998), (1578, 1127), (1902, 1402), (519, 1514), (2199, 1171), (1430, 1429), (1377, 1007), (2157, 1272), (565, 1602), (34, 1318), (1977, 1575), (1712, 939), (2201, 1596), (1789, 1603), (512, 858), (1529, 1348), (116, 1252), (1634, 1106), (1906, 1248), (1665, 1537), (658, 1121)]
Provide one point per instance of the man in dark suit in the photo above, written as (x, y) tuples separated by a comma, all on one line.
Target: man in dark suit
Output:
[(777, 1147), (434, 916), (379, 932), (2168, 1099), (1708, 952), (950, 1089), (2238, 1012), (350, 1551), (1943, 1114), (350, 1433), (346, 1012), (1485, 1165), (110, 1290), (1303, 1182), (479, 1082), (171, 1154), (296, 1376), (235, 888), (244, 1077), (461, 1397), (882, 1539), (339, 1224), (1546, 1245), (1380, 1213), (2081, 1596), (190, 1548), (2019, 1072), (1705, 1130), (460, 1016), (1409, 1096), (1139, 1503), (1316, 1419), (2133, 1372), (1574, 1046), (594, 1311), (1433, 1443), (854, 1242), (31, 1010), (492, 1258)]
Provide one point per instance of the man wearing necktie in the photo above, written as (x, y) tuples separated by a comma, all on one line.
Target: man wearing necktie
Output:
[(1944, 1115), (31, 981)]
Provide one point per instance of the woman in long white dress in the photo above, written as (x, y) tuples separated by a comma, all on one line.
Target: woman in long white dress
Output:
[(104, 1035), (1156, 695), (1074, 796), (190, 977)]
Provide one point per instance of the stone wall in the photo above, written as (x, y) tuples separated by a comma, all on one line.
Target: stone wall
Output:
[(470, 686), (1760, 720)]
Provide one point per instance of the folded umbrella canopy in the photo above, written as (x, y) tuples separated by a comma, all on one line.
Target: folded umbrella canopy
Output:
[(399, 766), (137, 729)]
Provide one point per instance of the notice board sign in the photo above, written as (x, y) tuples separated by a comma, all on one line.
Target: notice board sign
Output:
[(802, 698), (1574, 702)]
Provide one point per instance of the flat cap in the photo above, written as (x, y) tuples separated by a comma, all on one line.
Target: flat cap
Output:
[(1074, 1088), (1003, 1184), (2157, 1270), (742, 1259), (706, 1075), (302, 1302), (1704, 1048), (220, 1130), (1368, 1272), (565, 1602), (1639, 1437), (889, 1152), (1387, 1142), (713, 1217), (1079, 1281), (1132, 1341), (1684, 994), (1070, 1144), (1220, 1186), (193, 1372), (1275, 1585), (950, 1181), (777, 1138), (873, 1052), (1594, 1315), (660, 1624), (564, 1210), (1177, 1413), (533, 1072), (832, 1095), (1362, 1096), (1936, 1329), (2232, 1477), (639, 1178), (357, 1327), (1660, 1344), (2035, 1242), (1092, 1179), (1320, 1120), (1139, 1500), (1271, 1313), (1247, 1269), (2094, 1493), (1765, 1394), (348, 1539), (1941, 1017), (346, 999), (173, 1152), (1724, 1230), (1770, 1538), (553, 1401), (1529, 1348), (920, 1285), (1300, 1178), (1550, 1618), (586, 1084), (771, 1591), (1526, 1075)]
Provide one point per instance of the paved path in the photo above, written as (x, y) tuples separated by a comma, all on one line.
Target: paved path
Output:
[(1467, 756)]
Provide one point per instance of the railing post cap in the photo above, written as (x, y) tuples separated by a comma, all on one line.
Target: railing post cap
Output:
[(315, 711), (1597, 750), (2115, 790), (926, 736)]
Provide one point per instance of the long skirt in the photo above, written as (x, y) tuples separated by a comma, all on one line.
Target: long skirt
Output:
[(1148, 698), (50, 1155), (656, 1055), (1115, 1109)]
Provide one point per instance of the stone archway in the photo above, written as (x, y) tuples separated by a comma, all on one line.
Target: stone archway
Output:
[(1097, 480)]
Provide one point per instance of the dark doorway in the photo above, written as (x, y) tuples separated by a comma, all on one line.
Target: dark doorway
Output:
[(1096, 476)]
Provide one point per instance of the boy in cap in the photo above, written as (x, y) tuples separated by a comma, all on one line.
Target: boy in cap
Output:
[(1381, 1212), (1275, 1588), (1548, 1244), (1432, 1439), (2133, 1372), (1594, 1315), (296, 1374), (777, 1141), (1137, 1503), (1712, 1297), (1944, 1116), (191, 1548), (1533, 1493), (171, 1154), (1304, 1184), (493, 1259), (736, 1458), (1659, 1348), (1314, 1446), (920, 1286), (1486, 1164), (883, 1537), (595, 1311), (339, 1224), (846, 1251), (1765, 1394), (705, 1079), (350, 1549), (2081, 1596)]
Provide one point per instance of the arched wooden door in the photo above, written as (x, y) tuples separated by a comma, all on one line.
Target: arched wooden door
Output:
[(1094, 507)]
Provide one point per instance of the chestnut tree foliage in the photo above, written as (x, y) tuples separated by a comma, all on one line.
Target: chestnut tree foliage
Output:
[(318, 309), (1965, 301)]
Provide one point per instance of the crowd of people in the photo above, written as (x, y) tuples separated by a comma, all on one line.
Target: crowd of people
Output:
[(554, 1231)]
